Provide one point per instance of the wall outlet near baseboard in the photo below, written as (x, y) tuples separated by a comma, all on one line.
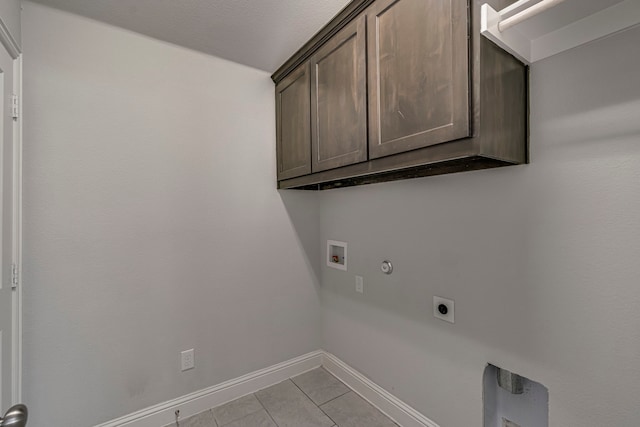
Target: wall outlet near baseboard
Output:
[(187, 360)]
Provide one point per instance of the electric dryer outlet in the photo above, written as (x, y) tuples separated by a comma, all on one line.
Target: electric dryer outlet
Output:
[(444, 309)]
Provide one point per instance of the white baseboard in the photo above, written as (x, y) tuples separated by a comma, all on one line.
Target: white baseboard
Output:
[(199, 401), (403, 414)]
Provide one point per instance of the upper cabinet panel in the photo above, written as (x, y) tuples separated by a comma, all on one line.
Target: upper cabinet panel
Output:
[(293, 130), (338, 99), (418, 62)]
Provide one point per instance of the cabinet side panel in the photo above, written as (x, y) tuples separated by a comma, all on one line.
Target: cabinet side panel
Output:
[(500, 95), (503, 105)]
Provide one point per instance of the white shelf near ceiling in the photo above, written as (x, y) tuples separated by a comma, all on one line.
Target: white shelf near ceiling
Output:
[(532, 30)]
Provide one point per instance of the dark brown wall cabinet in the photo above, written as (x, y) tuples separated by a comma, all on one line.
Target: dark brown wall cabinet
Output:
[(396, 89), (293, 128)]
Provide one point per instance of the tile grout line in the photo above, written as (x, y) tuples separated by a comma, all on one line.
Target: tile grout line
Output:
[(333, 398), (266, 410), (317, 406), (349, 390), (305, 394), (327, 415), (337, 397), (214, 418)]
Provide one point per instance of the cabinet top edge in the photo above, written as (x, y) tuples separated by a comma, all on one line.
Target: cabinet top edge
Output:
[(346, 15), (342, 18)]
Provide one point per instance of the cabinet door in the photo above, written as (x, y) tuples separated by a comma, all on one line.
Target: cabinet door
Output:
[(418, 59), (338, 99), (293, 130)]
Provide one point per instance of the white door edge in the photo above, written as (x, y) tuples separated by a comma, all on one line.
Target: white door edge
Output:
[(16, 364), (9, 43)]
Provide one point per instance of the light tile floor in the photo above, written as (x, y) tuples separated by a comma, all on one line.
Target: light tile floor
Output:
[(313, 399)]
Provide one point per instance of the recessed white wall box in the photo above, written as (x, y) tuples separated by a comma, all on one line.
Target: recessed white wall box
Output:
[(337, 254), (511, 400), (444, 309)]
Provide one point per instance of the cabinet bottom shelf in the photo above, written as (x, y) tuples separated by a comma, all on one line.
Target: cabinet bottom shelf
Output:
[(345, 178)]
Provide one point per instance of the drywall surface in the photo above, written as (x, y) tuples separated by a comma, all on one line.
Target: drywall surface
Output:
[(152, 224), (542, 260), (10, 15)]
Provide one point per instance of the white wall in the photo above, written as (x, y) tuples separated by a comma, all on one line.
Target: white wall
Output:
[(542, 260), (152, 224), (10, 15)]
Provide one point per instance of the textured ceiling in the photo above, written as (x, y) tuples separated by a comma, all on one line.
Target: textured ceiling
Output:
[(259, 33)]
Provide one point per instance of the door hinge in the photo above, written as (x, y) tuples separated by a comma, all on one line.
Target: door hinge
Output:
[(15, 110), (14, 276)]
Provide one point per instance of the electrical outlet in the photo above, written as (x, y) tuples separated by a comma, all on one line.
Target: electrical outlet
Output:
[(187, 360), (444, 309), (359, 284)]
